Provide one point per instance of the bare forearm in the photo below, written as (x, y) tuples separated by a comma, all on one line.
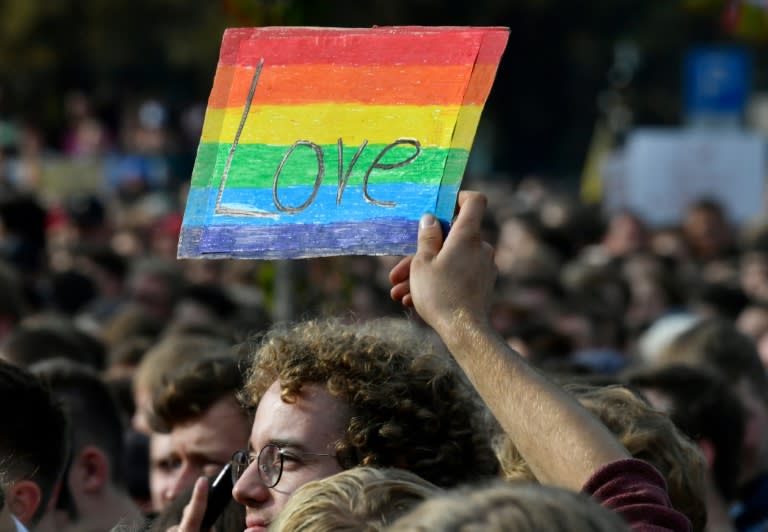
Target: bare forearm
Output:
[(562, 442)]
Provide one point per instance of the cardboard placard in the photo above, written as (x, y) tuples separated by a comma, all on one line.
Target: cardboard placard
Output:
[(331, 141)]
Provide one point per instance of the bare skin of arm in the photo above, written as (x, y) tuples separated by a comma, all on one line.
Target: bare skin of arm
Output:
[(450, 284)]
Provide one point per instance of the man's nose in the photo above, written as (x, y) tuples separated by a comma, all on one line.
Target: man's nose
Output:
[(249, 490)]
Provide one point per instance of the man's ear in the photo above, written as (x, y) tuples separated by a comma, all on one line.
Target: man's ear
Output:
[(23, 499), (89, 472)]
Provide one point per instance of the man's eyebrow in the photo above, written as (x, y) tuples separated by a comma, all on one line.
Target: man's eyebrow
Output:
[(288, 443)]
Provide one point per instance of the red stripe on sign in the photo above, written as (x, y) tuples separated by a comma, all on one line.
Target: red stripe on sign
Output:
[(382, 46)]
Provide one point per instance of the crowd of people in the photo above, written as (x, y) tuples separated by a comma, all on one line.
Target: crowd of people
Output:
[(542, 366)]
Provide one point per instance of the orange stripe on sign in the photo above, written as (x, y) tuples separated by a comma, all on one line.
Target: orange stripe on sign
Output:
[(370, 84)]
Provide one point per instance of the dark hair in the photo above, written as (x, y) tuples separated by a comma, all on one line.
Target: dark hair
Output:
[(717, 344), (192, 389), (411, 406), (29, 344), (34, 441), (703, 407), (93, 413), (211, 296)]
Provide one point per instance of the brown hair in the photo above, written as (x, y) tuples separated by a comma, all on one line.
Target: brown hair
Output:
[(192, 389), (411, 407), (170, 353), (717, 343)]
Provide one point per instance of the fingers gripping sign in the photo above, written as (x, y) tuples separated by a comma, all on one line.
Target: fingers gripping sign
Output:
[(451, 278)]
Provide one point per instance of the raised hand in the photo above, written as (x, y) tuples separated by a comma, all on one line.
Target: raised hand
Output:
[(449, 281)]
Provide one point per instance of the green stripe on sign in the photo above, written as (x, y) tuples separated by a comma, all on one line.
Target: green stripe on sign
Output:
[(254, 165)]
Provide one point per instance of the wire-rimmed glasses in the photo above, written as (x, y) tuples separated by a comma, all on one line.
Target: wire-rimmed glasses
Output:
[(269, 463)]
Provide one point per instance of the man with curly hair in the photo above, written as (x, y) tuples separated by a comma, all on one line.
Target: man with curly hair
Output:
[(330, 396)]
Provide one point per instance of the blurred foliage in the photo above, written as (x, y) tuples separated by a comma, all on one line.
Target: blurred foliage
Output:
[(541, 111)]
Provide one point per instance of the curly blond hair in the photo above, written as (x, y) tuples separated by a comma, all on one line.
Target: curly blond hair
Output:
[(361, 499), (411, 407), (648, 434)]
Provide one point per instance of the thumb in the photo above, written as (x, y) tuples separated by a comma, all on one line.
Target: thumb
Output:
[(430, 237)]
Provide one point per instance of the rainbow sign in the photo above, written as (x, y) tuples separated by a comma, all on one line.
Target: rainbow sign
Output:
[(330, 141)]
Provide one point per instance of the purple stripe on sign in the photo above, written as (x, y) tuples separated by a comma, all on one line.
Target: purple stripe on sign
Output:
[(371, 237)]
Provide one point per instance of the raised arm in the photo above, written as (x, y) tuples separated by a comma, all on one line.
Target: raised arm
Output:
[(450, 284)]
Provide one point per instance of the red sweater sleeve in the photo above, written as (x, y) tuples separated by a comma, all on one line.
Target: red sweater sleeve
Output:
[(636, 490)]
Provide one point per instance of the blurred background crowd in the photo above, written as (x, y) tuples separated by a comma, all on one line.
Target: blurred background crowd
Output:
[(101, 108)]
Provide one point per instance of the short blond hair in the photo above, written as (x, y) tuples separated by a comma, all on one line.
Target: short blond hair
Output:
[(358, 499), (510, 507)]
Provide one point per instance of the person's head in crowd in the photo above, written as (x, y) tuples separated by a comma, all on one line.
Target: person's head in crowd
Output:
[(107, 268), (94, 494), (668, 241), (647, 433), (68, 292), (88, 216), (164, 465), (510, 507), (361, 498), (753, 321), (538, 342), (204, 304), (662, 332), (655, 290), (521, 250), (231, 518), (624, 235), (330, 396), (155, 285), (33, 342), (13, 306), (34, 444), (719, 345), (168, 354), (22, 232), (702, 405), (707, 230), (130, 321), (592, 329), (198, 406), (753, 273), (718, 300), (123, 360), (531, 297), (602, 286)]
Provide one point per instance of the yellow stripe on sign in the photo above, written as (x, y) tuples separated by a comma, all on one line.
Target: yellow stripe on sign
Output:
[(432, 126)]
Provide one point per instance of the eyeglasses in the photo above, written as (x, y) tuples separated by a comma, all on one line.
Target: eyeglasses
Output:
[(269, 463)]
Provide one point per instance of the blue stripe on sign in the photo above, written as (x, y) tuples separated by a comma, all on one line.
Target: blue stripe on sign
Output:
[(412, 200)]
